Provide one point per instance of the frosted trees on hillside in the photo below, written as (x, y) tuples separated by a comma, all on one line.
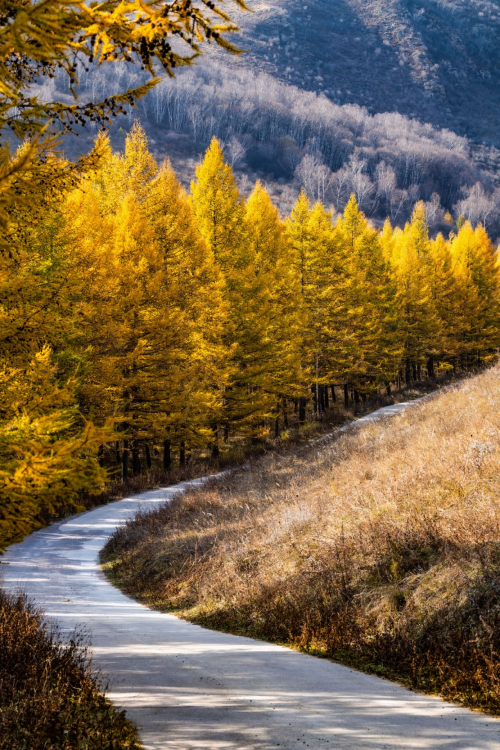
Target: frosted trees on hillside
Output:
[(387, 160), (236, 151), (478, 207), (314, 177)]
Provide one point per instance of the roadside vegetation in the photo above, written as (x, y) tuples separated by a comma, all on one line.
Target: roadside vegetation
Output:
[(380, 550), (50, 699)]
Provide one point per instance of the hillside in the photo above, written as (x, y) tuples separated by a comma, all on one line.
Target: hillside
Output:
[(395, 102), (380, 550), (432, 59)]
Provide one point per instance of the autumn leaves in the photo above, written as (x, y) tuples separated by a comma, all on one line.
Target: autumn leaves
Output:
[(168, 322)]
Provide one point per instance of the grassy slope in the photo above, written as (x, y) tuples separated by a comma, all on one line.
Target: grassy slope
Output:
[(382, 551)]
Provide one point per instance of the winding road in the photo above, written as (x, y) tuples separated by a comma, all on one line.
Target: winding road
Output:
[(188, 688)]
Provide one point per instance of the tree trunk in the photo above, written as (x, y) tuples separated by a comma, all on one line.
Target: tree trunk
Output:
[(167, 459), (285, 413), (430, 367), (100, 455), (346, 395), (302, 410), (125, 460), (408, 372), (388, 390), (215, 443), (118, 454), (356, 400), (226, 433), (182, 455), (277, 427), (314, 392), (326, 403), (317, 395), (136, 461), (148, 456)]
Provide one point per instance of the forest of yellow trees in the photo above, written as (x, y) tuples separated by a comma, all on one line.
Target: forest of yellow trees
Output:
[(150, 321)]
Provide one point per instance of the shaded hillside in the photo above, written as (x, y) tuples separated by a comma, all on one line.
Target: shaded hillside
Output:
[(290, 137), (395, 102), (431, 59)]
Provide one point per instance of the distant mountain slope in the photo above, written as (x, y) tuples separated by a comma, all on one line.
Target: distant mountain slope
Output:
[(433, 59), (394, 100)]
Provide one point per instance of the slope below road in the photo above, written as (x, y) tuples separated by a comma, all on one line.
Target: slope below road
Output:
[(189, 688)]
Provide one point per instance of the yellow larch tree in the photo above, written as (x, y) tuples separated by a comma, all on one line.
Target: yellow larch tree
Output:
[(220, 214), (153, 309), (418, 323), (475, 264), (274, 259), (325, 342), (370, 315)]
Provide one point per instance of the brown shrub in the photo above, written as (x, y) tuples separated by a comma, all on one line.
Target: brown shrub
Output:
[(49, 697), (381, 550)]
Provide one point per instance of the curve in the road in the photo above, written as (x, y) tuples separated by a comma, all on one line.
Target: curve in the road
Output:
[(188, 688)]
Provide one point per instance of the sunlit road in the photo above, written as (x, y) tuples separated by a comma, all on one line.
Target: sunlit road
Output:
[(187, 687)]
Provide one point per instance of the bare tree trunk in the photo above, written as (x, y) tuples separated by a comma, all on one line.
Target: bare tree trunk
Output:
[(125, 460), (346, 395), (118, 454), (430, 367), (285, 413), (314, 391), (215, 443), (302, 410), (356, 400), (317, 403), (182, 455), (136, 461), (100, 455), (326, 403), (148, 456), (334, 397), (167, 459), (226, 433)]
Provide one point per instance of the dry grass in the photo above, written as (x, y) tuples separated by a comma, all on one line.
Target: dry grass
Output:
[(49, 697), (381, 551)]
